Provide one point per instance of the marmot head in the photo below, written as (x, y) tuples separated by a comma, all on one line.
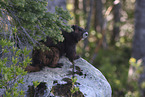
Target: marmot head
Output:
[(79, 33)]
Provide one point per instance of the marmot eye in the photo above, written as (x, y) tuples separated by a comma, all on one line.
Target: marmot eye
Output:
[(85, 35)]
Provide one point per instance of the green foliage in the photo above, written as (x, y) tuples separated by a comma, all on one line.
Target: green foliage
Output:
[(134, 94), (12, 75), (113, 63), (137, 65), (25, 22), (36, 83), (33, 21), (136, 69), (74, 89)]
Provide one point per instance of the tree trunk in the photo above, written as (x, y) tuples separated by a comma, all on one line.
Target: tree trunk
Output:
[(98, 16), (99, 27), (88, 23), (116, 29), (84, 8), (138, 51), (76, 13)]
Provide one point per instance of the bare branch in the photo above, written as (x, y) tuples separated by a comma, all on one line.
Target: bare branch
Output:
[(28, 35)]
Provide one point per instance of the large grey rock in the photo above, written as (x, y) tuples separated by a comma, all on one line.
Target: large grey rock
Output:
[(91, 81)]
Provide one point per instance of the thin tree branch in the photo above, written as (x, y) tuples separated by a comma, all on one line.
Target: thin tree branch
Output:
[(13, 14)]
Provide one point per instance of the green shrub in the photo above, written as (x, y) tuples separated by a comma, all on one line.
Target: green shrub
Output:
[(12, 75), (32, 20), (113, 63)]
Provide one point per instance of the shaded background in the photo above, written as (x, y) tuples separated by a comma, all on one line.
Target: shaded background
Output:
[(113, 26)]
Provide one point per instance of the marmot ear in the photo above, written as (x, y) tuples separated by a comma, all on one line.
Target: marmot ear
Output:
[(75, 28)]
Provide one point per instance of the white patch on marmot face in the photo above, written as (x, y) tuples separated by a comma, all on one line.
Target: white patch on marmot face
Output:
[(85, 35)]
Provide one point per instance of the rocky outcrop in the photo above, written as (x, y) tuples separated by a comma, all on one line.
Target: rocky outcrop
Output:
[(57, 81)]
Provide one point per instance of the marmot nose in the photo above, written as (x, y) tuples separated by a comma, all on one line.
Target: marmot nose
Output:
[(85, 35)]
